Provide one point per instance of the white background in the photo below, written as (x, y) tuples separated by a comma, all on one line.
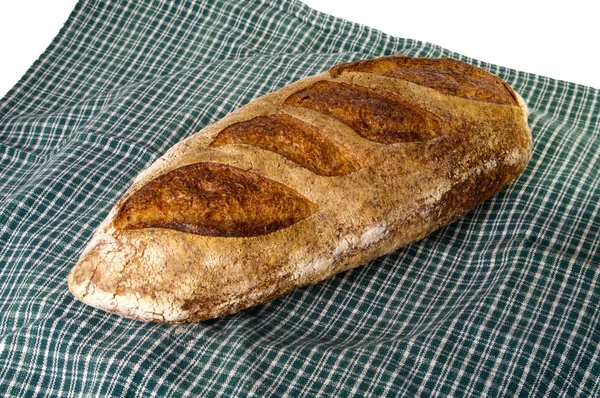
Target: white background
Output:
[(556, 39)]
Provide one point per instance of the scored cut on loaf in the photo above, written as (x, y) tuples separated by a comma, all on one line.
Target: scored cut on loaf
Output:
[(321, 176)]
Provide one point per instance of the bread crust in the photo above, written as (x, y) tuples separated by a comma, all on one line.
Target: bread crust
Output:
[(396, 192)]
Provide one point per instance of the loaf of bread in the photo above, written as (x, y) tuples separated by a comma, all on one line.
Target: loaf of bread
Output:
[(316, 178)]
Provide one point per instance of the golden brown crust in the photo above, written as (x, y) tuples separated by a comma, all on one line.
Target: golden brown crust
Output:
[(408, 151), (215, 200), (446, 75), (377, 115), (293, 139)]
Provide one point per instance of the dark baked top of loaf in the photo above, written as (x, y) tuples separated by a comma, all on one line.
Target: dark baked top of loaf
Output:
[(216, 200), (446, 75), (293, 139), (219, 200)]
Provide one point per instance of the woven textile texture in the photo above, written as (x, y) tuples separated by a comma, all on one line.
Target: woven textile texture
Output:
[(504, 302)]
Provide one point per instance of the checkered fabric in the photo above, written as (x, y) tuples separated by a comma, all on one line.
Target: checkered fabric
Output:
[(504, 302)]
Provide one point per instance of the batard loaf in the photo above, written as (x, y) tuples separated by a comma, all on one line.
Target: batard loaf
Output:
[(313, 179)]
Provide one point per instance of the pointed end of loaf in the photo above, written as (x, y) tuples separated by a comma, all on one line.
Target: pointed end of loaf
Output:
[(96, 281)]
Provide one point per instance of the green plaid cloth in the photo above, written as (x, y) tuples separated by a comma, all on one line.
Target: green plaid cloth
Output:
[(503, 302)]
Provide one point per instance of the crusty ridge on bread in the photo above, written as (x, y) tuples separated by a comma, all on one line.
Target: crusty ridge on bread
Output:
[(318, 177)]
